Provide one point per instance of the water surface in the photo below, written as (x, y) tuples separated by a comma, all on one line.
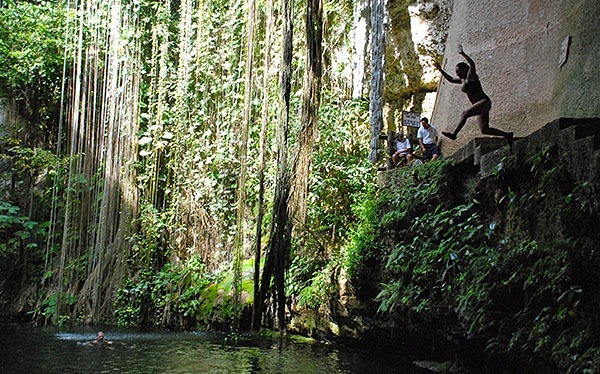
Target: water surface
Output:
[(26, 349)]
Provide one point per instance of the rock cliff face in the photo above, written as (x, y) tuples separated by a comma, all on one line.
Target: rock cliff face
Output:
[(8, 117), (517, 47)]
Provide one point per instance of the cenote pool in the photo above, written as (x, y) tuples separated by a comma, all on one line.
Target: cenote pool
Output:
[(27, 349)]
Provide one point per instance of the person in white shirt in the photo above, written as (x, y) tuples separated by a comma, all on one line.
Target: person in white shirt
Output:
[(428, 138), (403, 150)]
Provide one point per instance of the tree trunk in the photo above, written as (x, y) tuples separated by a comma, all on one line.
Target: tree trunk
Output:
[(376, 96), (279, 244), (256, 312), (243, 151), (310, 108), (359, 35)]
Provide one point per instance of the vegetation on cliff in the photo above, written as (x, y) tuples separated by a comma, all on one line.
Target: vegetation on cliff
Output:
[(507, 264)]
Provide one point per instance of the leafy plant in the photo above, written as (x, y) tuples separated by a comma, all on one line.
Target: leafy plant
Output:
[(183, 292), (512, 277), (19, 231), (362, 241), (31, 44), (427, 264)]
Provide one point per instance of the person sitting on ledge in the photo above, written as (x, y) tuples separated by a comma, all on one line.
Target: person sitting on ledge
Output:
[(403, 150), (428, 139), (480, 102)]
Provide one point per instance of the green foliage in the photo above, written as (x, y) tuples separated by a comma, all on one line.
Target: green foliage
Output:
[(341, 173), (31, 45), (179, 288), (49, 307), (149, 241), (31, 53), (184, 292), (318, 291), (522, 295), (516, 279), (362, 241), (188, 142), (29, 42), (189, 109), (310, 280), (432, 238), (429, 258), (341, 189), (19, 232), (30, 160), (130, 297), (363, 249)]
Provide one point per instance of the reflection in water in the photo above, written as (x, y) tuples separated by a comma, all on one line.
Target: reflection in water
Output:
[(24, 349)]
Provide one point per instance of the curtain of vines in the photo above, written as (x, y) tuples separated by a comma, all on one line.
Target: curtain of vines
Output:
[(101, 105), (164, 160), (157, 100), (190, 137)]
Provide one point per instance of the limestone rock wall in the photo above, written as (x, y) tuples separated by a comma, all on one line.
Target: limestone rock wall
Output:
[(516, 45), (8, 117)]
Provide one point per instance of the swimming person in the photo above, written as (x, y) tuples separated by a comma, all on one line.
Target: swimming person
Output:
[(100, 339), (480, 102)]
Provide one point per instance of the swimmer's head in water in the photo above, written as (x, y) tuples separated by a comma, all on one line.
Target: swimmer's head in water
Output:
[(100, 336)]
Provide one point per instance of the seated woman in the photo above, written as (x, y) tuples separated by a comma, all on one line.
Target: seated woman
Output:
[(403, 150)]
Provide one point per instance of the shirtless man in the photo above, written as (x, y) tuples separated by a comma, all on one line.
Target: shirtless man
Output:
[(480, 102)]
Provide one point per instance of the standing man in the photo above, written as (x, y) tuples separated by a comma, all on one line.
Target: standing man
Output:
[(428, 138)]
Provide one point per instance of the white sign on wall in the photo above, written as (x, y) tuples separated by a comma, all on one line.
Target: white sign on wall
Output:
[(411, 119), (564, 51)]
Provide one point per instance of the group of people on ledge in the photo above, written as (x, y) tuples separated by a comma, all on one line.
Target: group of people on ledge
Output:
[(428, 140), (479, 109)]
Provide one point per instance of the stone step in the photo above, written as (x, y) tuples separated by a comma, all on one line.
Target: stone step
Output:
[(471, 153), (576, 138), (552, 132), (589, 129), (595, 165), (491, 163), (522, 147), (581, 156), (564, 122), (591, 134), (578, 132), (578, 156)]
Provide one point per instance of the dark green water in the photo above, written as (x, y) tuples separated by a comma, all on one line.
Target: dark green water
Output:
[(25, 349)]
